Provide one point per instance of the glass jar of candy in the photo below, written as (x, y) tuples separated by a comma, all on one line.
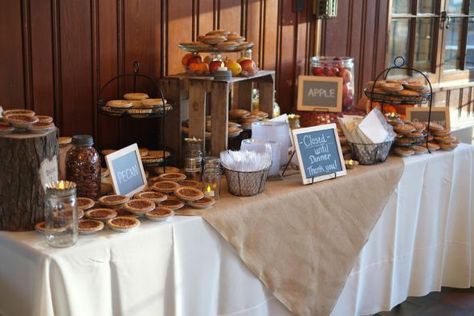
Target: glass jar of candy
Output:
[(343, 67)]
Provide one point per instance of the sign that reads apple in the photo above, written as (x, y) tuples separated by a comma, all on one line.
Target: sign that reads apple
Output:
[(319, 93)]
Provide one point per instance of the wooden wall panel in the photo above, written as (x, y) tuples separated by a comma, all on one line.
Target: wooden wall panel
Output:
[(42, 63), (359, 31), (60, 53), (77, 104), (12, 90)]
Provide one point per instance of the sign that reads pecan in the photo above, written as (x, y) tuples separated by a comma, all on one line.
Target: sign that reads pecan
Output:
[(319, 93), (319, 153), (126, 170)]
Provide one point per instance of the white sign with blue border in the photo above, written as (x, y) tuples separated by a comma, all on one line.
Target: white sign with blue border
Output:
[(319, 153), (126, 170)]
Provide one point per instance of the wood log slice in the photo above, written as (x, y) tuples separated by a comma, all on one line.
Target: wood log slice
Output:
[(27, 163)]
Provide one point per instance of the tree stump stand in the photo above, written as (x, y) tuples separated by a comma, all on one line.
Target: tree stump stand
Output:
[(27, 163)]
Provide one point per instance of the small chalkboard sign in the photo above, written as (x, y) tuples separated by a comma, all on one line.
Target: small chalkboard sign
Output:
[(439, 115), (319, 153), (319, 94), (126, 170)]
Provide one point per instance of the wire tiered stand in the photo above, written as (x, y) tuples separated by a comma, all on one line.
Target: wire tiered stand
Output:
[(394, 98), (155, 112)]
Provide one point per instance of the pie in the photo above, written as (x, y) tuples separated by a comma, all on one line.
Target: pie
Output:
[(139, 206), (5, 129), (165, 186), (447, 146), (419, 149), (41, 228), (143, 151), (113, 200), (156, 197), (121, 104), (64, 140), (160, 214), (124, 212), (441, 133), (18, 111), (404, 128), (205, 202), (173, 204), (238, 113), (101, 214), (172, 176), (403, 151), (433, 147), (84, 203), (21, 120), (44, 119), (160, 170), (39, 127), (123, 223), (392, 87), (188, 193), (436, 127), (153, 102), (89, 226), (135, 96)]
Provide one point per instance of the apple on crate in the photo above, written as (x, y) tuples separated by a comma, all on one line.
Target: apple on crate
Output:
[(249, 68)]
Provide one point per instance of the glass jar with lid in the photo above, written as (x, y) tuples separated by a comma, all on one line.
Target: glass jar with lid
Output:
[(343, 67), (83, 166)]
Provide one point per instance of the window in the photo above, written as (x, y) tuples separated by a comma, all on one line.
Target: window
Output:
[(434, 36)]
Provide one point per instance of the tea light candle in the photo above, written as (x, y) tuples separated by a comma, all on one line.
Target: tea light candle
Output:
[(350, 164)]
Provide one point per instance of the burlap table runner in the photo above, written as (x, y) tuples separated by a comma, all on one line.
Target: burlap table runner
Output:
[(302, 241)]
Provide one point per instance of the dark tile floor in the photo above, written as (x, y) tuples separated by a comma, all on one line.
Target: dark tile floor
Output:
[(448, 302)]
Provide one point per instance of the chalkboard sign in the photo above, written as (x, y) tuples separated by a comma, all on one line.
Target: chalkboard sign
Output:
[(319, 94), (319, 153), (126, 170), (438, 115)]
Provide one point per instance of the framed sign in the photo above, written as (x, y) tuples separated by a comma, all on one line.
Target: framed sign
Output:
[(439, 115), (319, 94), (319, 153), (126, 170)]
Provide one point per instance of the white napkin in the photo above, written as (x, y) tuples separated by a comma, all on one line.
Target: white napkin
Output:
[(373, 128)]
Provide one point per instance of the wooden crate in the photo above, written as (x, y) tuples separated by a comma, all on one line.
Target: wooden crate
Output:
[(191, 94)]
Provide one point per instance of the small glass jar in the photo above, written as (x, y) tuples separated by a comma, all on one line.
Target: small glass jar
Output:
[(211, 182), (83, 166), (192, 168), (343, 67), (61, 214)]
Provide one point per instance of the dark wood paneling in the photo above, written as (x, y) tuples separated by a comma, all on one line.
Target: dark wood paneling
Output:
[(12, 92), (60, 53), (76, 68), (42, 61)]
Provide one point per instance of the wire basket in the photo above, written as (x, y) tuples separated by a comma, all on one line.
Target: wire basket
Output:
[(242, 183), (369, 154)]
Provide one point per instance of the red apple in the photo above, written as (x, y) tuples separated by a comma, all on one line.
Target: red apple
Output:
[(195, 59), (318, 71), (214, 65), (249, 68), (346, 75)]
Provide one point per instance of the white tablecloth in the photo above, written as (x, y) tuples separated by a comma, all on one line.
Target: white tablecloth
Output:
[(423, 240)]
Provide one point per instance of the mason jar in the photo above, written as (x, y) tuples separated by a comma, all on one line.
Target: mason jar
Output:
[(61, 214), (343, 67), (83, 166)]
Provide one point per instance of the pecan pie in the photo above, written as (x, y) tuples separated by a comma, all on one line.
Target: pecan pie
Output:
[(139, 206), (172, 176), (84, 203), (205, 202), (160, 214), (40, 127), (101, 214), (164, 186), (191, 183), (89, 226), (188, 193), (123, 223), (135, 96), (21, 120), (156, 197), (44, 119), (172, 204), (113, 200), (160, 170), (18, 111)]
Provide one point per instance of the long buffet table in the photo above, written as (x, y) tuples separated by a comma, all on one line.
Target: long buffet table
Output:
[(422, 240)]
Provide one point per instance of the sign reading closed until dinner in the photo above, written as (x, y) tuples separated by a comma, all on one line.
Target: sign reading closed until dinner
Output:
[(126, 170), (319, 93), (319, 153)]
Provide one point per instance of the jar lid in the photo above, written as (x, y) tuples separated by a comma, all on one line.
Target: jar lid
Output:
[(82, 140)]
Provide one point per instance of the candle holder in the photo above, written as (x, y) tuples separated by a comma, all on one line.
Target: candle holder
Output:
[(61, 214)]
